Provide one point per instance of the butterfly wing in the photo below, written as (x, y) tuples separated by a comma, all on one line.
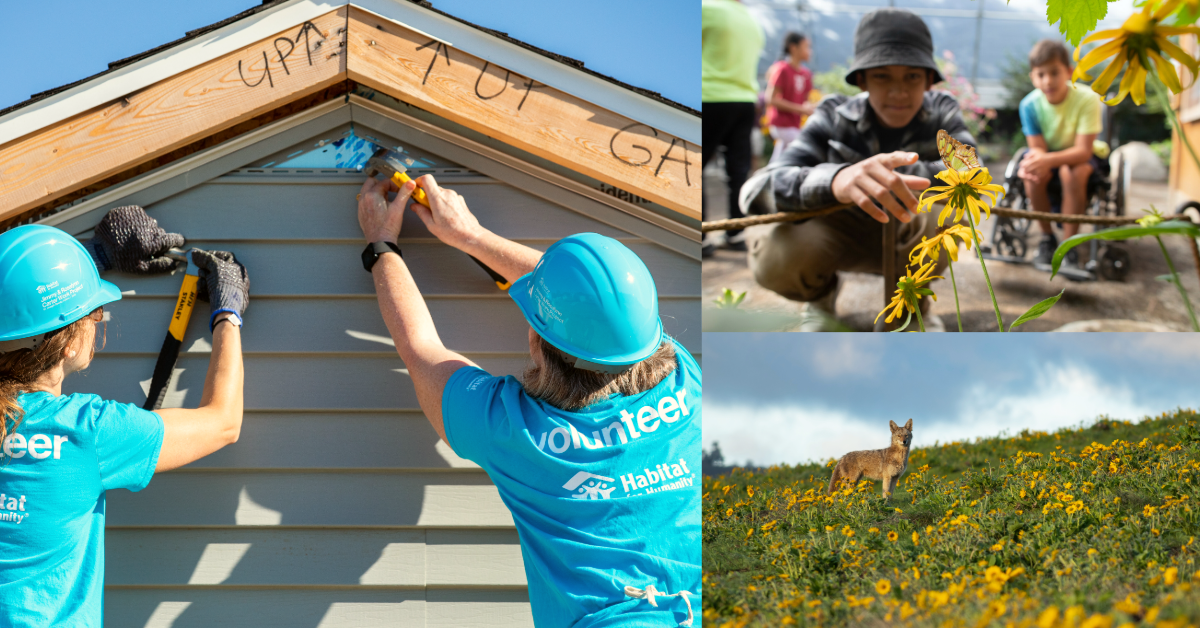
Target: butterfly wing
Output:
[(955, 154)]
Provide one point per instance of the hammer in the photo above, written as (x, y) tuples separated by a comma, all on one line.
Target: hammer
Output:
[(393, 164)]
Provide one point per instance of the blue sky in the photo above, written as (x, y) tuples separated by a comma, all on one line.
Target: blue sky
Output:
[(775, 398), (654, 45)]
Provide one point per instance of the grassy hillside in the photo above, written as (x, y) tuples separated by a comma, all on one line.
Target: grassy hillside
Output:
[(1085, 528)]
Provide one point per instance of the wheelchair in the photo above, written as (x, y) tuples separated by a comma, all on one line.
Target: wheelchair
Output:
[(1105, 197)]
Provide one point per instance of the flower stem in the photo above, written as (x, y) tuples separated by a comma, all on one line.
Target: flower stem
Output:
[(954, 284), (988, 280), (1178, 284), (920, 322)]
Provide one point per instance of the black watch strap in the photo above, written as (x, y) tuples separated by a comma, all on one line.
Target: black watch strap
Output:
[(371, 254)]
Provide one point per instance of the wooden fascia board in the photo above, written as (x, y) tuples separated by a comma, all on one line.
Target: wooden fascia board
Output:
[(548, 71), (218, 94), (424, 71), (146, 72)]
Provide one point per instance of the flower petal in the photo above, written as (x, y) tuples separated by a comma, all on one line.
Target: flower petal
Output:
[(1102, 82), (1166, 72), (1104, 34), (1099, 54), (1138, 89), (1177, 53)]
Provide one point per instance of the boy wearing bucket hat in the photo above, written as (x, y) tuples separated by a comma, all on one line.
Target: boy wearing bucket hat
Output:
[(876, 150), (60, 452), (596, 450)]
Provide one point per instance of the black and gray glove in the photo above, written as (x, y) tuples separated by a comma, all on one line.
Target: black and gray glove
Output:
[(129, 240), (223, 283)]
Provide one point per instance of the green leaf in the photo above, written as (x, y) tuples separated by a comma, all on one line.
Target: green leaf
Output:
[(1076, 18), (729, 300), (1180, 227), (1036, 311), (906, 322)]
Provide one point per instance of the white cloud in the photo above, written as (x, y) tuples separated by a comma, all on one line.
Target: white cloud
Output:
[(845, 355), (1062, 395)]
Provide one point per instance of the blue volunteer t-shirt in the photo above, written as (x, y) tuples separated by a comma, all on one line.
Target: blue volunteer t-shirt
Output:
[(54, 470), (604, 497)]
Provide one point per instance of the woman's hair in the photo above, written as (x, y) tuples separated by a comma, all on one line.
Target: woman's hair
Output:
[(791, 39), (557, 382), (21, 368)]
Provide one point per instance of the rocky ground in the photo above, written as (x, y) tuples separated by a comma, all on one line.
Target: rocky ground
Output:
[(1139, 297)]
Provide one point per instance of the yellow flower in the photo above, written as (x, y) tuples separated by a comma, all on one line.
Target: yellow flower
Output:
[(914, 538), (1170, 574), (1153, 217), (883, 586), (944, 238), (909, 291), (965, 192), (1139, 43), (892, 536)]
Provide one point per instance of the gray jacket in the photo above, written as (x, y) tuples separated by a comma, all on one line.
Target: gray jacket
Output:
[(842, 131)]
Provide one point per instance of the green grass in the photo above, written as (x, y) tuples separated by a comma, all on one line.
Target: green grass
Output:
[(1085, 527)]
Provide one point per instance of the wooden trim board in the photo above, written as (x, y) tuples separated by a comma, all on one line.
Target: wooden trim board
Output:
[(191, 105), (415, 68)]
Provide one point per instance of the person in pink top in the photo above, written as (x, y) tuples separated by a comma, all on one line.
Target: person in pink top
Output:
[(788, 86)]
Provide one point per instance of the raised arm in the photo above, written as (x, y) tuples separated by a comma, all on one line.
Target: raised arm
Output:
[(191, 434), (430, 364), (452, 222)]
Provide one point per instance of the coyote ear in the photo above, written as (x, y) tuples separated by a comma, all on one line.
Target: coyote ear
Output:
[(893, 425), (909, 424)]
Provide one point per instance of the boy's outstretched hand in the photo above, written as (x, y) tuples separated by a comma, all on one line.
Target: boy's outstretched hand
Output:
[(874, 181)]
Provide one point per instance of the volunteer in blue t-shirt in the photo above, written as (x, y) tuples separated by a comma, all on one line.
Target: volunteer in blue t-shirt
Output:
[(597, 451), (60, 453)]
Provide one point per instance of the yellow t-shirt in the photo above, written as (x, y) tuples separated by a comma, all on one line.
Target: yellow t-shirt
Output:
[(731, 43), (1078, 114)]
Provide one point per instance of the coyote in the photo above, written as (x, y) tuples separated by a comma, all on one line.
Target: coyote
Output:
[(877, 464)]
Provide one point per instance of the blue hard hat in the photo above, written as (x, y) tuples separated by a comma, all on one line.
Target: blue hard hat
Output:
[(47, 281), (594, 299)]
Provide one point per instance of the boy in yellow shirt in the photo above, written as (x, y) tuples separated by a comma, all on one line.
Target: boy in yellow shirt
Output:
[(1060, 123)]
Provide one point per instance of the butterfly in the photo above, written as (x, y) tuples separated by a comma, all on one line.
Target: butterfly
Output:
[(955, 154)]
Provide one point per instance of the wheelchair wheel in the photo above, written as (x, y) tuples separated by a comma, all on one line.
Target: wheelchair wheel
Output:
[(1114, 263), (1190, 211), (1118, 185)]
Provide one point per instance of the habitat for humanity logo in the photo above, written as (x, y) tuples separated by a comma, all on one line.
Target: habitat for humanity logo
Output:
[(596, 486)]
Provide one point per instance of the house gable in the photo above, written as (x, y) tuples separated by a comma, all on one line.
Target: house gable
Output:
[(349, 44)]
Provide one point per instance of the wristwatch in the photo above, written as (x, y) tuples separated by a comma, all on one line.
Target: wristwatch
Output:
[(371, 254)]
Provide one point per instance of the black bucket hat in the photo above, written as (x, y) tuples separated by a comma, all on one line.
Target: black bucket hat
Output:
[(892, 37)]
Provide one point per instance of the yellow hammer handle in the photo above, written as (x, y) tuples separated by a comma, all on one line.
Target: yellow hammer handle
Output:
[(183, 307), (418, 194)]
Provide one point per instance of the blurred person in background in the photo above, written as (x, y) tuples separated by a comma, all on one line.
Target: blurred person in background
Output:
[(788, 87), (731, 44)]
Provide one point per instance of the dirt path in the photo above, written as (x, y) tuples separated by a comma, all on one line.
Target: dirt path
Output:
[(1139, 297)]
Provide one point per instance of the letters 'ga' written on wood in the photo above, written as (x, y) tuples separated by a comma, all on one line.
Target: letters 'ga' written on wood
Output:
[(38, 168), (502, 104)]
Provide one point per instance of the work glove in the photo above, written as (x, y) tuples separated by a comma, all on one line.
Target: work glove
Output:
[(130, 241), (223, 283)]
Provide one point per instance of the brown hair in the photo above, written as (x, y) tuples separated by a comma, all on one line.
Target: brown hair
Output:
[(560, 384), (21, 368), (1048, 51)]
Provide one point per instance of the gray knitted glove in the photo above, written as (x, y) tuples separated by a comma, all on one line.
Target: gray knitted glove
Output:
[(130, 241), (223, 283)]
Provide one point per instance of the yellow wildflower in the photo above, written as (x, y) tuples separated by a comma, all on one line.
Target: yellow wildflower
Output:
[(909, 291), (1153, 217), (1139, 43), (883, 587), (914, 538), (965, 192), (944, 238), (892, 536), (1170, 575)]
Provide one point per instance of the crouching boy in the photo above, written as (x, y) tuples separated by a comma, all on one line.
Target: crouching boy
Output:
[(877, 150), (1060, 123)]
